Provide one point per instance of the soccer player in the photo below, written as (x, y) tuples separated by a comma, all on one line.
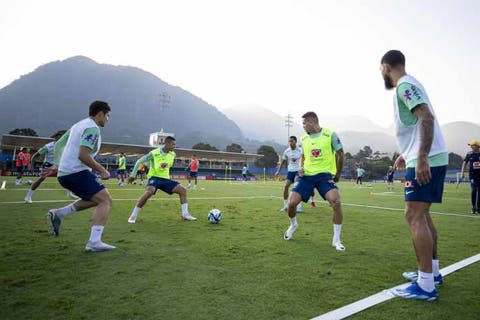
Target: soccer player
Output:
[(19, 164), (473, 160), (390, 174), (320, 167), (160, 161), (74, 153), (360, 173), (193, 167), (49, 151), (292, 155), (122, 166), (141, 173), (244, 173), (425, 156)]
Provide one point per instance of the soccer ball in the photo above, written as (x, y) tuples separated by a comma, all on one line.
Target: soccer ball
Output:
[(214, 216)]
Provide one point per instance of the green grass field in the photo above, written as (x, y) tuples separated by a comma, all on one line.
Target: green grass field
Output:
[(165, 268)]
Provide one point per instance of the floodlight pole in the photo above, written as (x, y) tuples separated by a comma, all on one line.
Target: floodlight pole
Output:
[(288, 124)]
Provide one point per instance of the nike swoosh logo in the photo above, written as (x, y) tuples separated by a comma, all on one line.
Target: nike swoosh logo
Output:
[(408, 192)]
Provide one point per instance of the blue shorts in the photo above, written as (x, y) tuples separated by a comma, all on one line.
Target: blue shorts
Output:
[(166, 185), (193, 174), (390, 179), (20, 169), (84, 184), (121, 171), (431, 192), (305, 185), (291, 175)]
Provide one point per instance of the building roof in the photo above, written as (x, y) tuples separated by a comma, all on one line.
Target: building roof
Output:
[(10, 142)]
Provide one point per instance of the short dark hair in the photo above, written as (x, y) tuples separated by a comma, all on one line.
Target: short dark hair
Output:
[(394, 58), (97, 106), (170, 138), (294, 138), (310, 115)]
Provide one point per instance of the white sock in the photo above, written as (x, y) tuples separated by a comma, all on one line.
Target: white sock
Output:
[(337, 229), (293, 221), (299, 207), (65, 211), (425, 281), (435, 267), (96, 234), (29, 194), (285, 203), (184, 209), (136, 211), (312, 199)]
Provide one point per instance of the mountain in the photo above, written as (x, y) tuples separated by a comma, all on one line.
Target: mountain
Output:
[(458, 134), (57, 94), (257, 122)]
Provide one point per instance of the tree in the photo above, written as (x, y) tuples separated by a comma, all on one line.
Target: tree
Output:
[(269, 159), (204, 146), (234, 148), (24, 132), (454, 161)]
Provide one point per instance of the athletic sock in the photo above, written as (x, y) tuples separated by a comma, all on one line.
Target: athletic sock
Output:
[(135, 212), (425, 281), (337, 230), (29, 193), (65, 211), (299, 207), (184, 209), (293, 221), (285, 203), (96, 234), (435, 267)]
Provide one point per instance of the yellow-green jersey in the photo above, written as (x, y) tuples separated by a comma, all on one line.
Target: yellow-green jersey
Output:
[(319, 152), (159, 161), (122, 163)]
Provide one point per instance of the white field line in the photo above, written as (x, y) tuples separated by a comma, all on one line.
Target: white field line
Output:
[(386, 295)]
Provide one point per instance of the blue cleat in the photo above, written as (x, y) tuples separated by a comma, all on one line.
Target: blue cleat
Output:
[(412, 276), (414, 291), (55, 222)]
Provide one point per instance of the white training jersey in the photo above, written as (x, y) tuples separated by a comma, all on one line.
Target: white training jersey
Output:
[(408, 94), (49, 151), (83, 133), (293, 158)]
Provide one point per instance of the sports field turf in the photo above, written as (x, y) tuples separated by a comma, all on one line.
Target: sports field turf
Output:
[(165, 268)]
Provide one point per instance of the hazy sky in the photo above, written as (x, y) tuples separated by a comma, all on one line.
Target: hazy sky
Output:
[(285, 55)]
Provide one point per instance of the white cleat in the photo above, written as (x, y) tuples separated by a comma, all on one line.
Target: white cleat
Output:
[(284, 209), (188, 217), (132, 219), (338, 246), (98, 247), (290, 231), (28, 200)]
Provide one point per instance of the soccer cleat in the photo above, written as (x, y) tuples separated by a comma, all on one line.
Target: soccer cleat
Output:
[(284, 209), (313, 204), (338, 246), (188, 217), (412, 276), (290, 231), (55, 222), (414, 291), (98, 247), (132, 219), (28, 200)]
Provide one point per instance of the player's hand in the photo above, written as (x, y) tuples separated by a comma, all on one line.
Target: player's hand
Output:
[(463, 175), (130, 180), (422, 171), (301, 172), (399, 163), (104, 174), (336, 178)]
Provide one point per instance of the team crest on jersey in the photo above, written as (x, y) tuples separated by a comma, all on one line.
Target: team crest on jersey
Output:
[(316, 153), (163, 165), (476, 165), (416, 92), (92, 138)]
